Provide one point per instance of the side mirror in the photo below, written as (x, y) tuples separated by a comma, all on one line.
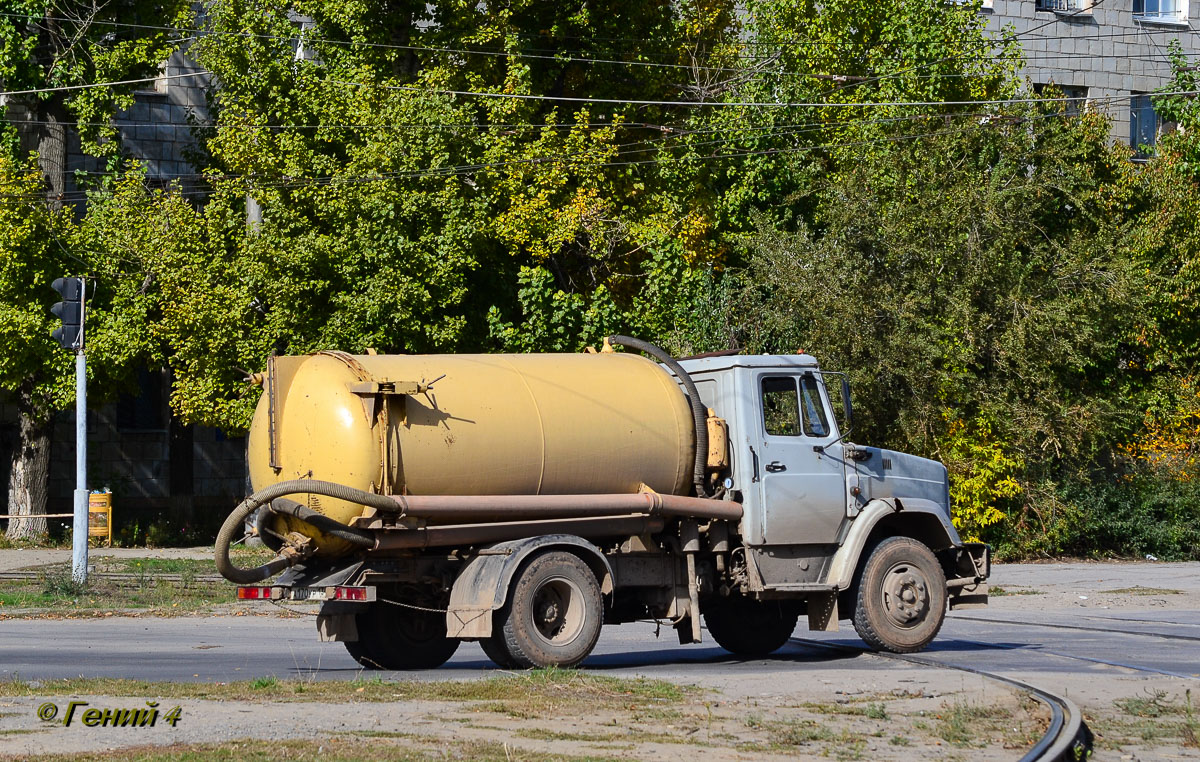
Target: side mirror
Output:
[(849, 408)]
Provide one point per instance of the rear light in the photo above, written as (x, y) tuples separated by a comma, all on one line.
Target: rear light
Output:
[(256, 593), (344, 593)]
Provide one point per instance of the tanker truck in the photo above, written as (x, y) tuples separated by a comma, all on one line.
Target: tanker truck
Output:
[(523, 501)]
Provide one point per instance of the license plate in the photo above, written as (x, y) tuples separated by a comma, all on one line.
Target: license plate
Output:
[(307, 594)]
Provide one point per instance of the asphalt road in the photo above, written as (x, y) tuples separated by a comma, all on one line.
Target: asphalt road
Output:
[(1077, 620)]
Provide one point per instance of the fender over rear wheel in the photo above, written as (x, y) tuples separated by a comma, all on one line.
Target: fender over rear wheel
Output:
[(395, 637), (748, 627), (552, 617), (900, 599)]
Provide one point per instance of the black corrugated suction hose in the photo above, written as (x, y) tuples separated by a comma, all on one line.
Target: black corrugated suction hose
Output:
[(233, 524), (699, 413)]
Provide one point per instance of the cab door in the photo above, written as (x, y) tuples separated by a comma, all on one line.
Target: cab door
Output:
[(801, 469)]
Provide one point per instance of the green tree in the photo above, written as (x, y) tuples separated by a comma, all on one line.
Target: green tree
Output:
[(110, 247), (397, 215), (62, 53), (976, 286), (46, 45), (34, 250)]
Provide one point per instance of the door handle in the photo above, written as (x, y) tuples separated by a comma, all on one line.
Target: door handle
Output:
[(775, 467)]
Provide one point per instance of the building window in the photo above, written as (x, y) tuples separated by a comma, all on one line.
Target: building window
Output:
[(1076, 96), (1064, 6), (147, 409), (160, 84), (1143, 125), (1160, 10)]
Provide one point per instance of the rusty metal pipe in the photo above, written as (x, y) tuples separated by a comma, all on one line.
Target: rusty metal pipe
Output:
[(507, 508), (474, 534)]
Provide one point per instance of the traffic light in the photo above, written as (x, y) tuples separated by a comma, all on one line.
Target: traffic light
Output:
[(70, 311)]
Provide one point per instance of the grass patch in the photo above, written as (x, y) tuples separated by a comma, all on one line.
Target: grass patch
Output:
[(1139, 590), (962, 724), (874, 710), (797, 733), (541, 734), (1000, 592), (533, 693), (1156, 718), (50, 595), (145, 587), (790, 736), (1152, 703), (334, 749)]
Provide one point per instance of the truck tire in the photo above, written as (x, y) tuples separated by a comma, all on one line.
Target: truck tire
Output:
[(495, 649), (747, 627), (553, 614), (393, 637), (900, 597)]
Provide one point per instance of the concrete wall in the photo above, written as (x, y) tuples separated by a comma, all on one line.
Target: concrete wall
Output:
[(157, 129), (1104, 48)]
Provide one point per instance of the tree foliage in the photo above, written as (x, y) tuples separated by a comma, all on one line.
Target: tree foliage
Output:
[(1008, 292)]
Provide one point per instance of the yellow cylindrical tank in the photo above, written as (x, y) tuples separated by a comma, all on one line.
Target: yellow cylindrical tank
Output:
[(487, 425)]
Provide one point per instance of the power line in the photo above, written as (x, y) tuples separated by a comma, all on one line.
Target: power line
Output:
[(469, 169), (677, 134), (66, 88), (740, 104), (558, 55)]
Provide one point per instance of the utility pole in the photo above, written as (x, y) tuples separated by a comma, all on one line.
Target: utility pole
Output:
[(72, 311)]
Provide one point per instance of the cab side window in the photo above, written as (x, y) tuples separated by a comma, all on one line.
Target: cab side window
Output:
[(780, 407), (812, 412)]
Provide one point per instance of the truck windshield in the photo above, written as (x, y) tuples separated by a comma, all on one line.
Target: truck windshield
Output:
[(811, 409)]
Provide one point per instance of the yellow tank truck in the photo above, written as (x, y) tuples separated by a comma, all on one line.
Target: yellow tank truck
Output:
[(523, 501)]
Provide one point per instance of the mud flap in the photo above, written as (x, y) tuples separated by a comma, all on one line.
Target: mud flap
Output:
[(823, 612), (969, 597), (339, 628)]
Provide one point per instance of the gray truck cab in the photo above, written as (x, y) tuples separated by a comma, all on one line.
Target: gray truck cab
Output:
[(815, 504)]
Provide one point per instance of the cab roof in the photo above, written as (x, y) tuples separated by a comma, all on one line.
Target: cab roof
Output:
[(713, 364)]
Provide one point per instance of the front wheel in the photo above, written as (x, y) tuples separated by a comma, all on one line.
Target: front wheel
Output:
[(553, 614), (901, 597), (748, 627), (395, 637)]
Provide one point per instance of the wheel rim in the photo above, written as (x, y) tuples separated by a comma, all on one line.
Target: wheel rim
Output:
[(557, 611), (905, 595)]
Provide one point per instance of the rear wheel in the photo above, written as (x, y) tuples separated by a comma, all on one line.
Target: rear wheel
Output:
[(748, 627), (395, 637), (900, 602), (497, 651), (553, 614)]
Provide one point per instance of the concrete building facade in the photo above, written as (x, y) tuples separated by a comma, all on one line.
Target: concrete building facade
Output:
[(1109, 53)]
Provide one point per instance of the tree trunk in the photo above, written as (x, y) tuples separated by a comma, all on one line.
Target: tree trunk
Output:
[(52, 149), (30, 475)]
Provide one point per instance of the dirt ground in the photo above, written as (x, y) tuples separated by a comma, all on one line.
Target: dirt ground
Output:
[(901, 714)]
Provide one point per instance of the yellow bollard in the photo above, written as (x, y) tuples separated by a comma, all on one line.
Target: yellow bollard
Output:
[(100, 516)]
